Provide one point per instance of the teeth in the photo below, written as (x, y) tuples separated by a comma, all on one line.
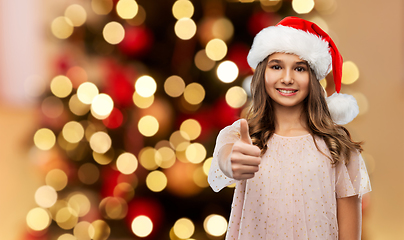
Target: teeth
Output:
[(286, 91)]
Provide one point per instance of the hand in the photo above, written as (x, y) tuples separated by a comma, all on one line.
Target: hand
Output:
[(245, 157)]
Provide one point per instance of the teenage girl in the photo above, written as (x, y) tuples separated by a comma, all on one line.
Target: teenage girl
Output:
[(298, 173)]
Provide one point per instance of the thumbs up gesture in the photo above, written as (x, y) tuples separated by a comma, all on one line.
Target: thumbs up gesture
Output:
[(241, 160)]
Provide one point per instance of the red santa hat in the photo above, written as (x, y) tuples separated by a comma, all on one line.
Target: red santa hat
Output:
[(308, 41)]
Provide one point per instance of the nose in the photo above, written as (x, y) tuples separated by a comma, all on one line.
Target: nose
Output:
[(287, 77)]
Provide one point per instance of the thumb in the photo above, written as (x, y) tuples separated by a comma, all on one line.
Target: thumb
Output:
[(245, 135)]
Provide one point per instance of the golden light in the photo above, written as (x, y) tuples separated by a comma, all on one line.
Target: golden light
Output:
[(149, 157), (216, 49), (156, 181), (113, 32), (185, 28), (142, 226), (73, 132), (127, 9), (323, 83), (192, 128), (102, 106), (200, 178), (184, 228), (178, 137), (326, 6), (103, 159), (206, 165), (124, 190), (139, 18), (86, 92), (174, 86), (271, 5), (114, 208), (67, 236), (77, 14), (223, 29), (194, 93), (52, 107), (61, 86), (167, 157), (203, 62), (100, 142), (88, 173), (79, 204), (56, 179), (80, 231), (127, 163), (183, 9), (142, 102), (195, 153), (148, 126), (145, 86), (236, 97), (102, 7), (350, 73), (77, 75), (302, 6), (99, 230), (77, 107), (227, 71), (362, 101), (46, 196), (44, 139), (62, 27), (38, 219), (65, 218), (215, 225)]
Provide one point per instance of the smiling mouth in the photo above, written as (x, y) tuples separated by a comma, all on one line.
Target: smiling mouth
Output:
[(286, 91)]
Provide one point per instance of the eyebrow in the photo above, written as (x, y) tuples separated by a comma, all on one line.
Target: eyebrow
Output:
[(279, 61)]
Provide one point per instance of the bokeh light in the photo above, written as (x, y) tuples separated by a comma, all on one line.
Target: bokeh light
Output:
[(127, 9), (203, 62), (104, 159), (73, 132), (206, 165), (88, 173), (114, 208), (167, 157), (142, 102), (80, 231), (139, 18), (326, 6), (183, 9), (78, 107), (149, 157), (236, 97), (100, 142), (145, 86), (44, 139), (200, 178), (142, 226), (215, 225), (227, 71), (185, 28), (61, 86), (52, 107), (271, 5), (38, 219), (126, 163), (195, 153), (46, 196), (350, 73), (113, 33), (99, 230), (66, 218), (184, 228), (102, 106), (156, 181), (102, 7), (79, 204), (174, 86), (302, 6), (62, 27), (77, 14), (57, 179), (223, 29), (362, 101), (148, 126), (192, 128), (216, 49), (86, 92), (67, 236), (194, 93)]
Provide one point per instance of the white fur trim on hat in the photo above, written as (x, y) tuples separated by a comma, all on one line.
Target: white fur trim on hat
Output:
[(307, 46), (343, 108)]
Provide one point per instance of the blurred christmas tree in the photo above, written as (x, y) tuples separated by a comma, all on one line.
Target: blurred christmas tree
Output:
[(138, 93)]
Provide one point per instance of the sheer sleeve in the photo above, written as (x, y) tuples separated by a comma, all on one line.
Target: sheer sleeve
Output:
[(216, 177), (352, 179)]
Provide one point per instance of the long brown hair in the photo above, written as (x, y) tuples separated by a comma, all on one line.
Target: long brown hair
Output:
[(261, 118)]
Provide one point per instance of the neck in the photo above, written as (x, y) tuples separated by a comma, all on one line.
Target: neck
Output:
[(289, 121)]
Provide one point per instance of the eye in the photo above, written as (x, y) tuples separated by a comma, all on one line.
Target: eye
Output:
[(276, 67), (300, 69)]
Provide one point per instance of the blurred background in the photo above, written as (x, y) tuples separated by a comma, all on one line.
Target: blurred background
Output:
[(110, 110)]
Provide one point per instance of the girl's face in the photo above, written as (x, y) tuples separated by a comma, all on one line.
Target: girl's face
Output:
[(287, 79)]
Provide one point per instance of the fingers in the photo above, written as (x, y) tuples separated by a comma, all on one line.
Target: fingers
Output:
[(246, 149), (244, 132)]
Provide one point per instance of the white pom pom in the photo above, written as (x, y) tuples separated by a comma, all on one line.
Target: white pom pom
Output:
[(343, 108)]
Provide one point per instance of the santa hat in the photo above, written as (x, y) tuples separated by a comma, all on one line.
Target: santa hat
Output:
[(309, 42)]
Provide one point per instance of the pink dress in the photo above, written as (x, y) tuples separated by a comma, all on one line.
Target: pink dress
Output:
[(294, 193)]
